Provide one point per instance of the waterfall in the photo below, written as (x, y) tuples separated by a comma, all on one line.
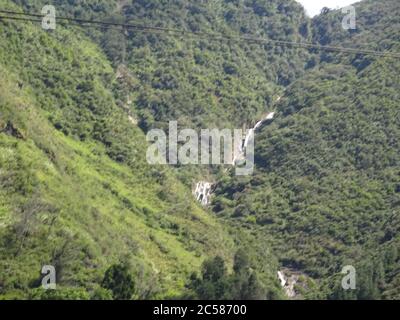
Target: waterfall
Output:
[(203, 189), (258, 125), (202, 192), (240, 153), (282, 279)]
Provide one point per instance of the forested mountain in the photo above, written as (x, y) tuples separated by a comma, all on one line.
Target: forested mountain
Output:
[(197, 81), (326, 190), (76, 191)]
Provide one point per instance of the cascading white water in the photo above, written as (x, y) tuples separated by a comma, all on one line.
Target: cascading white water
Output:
[(282, 279), (288, 283), (240, 154), (202, 192)]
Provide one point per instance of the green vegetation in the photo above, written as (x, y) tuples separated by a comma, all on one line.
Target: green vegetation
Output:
[(216, 284), (76, 190), (208, 83), (326, 192), (118, 279)]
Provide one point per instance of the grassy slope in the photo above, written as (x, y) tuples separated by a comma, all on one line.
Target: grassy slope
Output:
[(290, 203), (206, 83), (63, 200)]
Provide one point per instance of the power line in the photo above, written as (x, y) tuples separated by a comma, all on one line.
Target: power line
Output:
[(207, 35), (104, 24)]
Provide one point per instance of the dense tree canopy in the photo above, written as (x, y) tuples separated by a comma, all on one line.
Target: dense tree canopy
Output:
[(76, 191)]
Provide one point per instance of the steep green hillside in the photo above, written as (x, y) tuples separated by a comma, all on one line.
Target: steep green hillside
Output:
[(326, 192), (194, 80), (76, 191)]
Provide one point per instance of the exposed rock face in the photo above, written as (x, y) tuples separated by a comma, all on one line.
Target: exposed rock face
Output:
[(132, 120), (127, 81), (202, 192)]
